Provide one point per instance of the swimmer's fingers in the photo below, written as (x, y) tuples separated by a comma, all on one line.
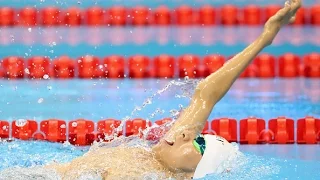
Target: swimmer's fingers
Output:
[(295, 5), (282, 13)]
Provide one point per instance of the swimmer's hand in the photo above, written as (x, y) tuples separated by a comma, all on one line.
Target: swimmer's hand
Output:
[(283, 17)]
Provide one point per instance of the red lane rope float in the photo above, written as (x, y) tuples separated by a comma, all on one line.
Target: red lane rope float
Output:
[(38, 67), (82, 132), (289, 65), (162, 66), (63, 67), (24, 130), (312, 65), (308, 130), (50, 16), (13, 67), (27, 16), (107, 128), (162, 16), (226, 128), (4, 129), (72, 16), (141, 15), (55, 130)]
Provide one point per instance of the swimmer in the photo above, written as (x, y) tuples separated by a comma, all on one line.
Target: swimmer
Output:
[(183, 153)]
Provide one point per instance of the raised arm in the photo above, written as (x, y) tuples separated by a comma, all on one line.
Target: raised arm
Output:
[(210, 90)]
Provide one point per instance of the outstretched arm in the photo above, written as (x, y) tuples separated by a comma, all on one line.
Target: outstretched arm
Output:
[(215, 86)]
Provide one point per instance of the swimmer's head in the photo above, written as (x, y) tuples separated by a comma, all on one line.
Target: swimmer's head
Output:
[(178, 153), (198, 155)]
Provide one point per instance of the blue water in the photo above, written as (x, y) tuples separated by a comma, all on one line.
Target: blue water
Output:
[(99, 99)]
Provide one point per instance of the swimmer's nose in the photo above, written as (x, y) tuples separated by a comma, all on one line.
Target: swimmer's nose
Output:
[(185, 136)]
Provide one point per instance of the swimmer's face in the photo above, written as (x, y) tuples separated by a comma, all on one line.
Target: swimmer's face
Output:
[(180, 154)]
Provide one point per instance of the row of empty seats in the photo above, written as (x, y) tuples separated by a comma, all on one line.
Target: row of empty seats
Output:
[(280, 130), (162, 66), (141, 15)]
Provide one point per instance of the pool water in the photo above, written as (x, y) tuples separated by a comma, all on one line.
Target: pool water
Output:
[(121, 99)]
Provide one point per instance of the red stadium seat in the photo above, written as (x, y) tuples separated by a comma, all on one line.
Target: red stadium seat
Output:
[(38, 67), (162, 16), (229, 15), (13, 67), (283, 130), (81, 132), (72, 16), (4, 129), (300, 17), (117, 15), (163, 121), (184, 15), (135, 126), (188, 65), (140, 16), (207, 15), (7, 16), (63, 67), (95, 16), (213, 63), (270, 11), (88, 67), (24, 129), (308, 130), (289, 65), (315, 15), (139, 66), (55, 130), (226, 128), (113, 67), (251, 130), (265, 64), (164, 66), (27, 16), (311, 63), (252, 15), (108, 128), (50, 16)]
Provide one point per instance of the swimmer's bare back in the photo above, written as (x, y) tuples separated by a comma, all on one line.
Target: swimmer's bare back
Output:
[(210, 90)]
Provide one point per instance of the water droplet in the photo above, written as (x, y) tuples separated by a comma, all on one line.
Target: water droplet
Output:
[(21, 122), (26, 70), (74, 124), (29, 29), (63, 126), (49, 87), (40, 100), (46, 76)]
